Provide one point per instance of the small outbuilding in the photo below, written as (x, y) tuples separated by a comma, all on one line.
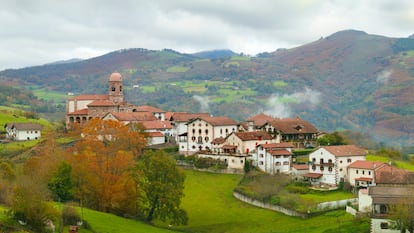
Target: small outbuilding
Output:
[(23, 131)]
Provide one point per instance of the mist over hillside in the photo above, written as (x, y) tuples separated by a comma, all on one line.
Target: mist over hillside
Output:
[(348, 80)]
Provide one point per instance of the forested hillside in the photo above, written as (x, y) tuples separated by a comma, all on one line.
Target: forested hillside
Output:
[(349, 80)]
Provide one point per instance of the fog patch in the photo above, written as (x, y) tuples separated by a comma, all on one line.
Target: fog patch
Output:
[(204, 102), (280, 105), (384, 76)]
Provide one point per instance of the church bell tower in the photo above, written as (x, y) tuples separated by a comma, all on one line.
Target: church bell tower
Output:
[(115, 88)]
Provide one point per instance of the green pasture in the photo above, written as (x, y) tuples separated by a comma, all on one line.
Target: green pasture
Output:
[(240, 58), (399, 164), (147, 89), (279, 83), (42, 93), (229, 95), (211, 207), (177, 69)]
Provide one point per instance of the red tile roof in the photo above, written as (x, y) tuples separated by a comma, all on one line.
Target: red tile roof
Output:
[(388, 174), (134, 116), (345, 150), (253, 136), (279, 152), (277, 145), (101, 103), (293, 126), (218, 141), (300, 166), (216, 121), (79, 112), (260, 119), (155, 134), (147, 108), (364, 164), (156, 124), (184, 116), (313, 175), (227, 146)]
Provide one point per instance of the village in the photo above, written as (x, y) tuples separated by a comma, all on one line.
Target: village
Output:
[(266, 142)]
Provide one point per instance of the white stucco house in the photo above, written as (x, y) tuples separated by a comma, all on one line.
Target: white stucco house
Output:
[(179, 122), (201, 131), (273, 158), (23, 131), (361, 173), (328, 164)]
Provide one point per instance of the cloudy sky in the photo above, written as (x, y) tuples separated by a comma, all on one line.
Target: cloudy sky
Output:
[(43, 31)]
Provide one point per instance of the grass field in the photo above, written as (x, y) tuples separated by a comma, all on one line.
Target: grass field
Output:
[(212, 208)]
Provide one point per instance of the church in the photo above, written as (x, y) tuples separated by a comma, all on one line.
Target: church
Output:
[(82, 108)]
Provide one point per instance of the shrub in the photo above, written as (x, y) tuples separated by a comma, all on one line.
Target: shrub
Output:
[(70, 216), (275, 200)]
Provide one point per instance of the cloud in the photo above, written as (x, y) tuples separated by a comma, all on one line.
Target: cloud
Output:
[(38, 32), (280, 106), (204, 102)]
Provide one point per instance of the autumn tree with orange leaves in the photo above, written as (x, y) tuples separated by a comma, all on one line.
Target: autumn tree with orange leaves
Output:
[(100, 164)]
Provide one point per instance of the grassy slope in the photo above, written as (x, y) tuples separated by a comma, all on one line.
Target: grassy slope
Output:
[(212, 208)]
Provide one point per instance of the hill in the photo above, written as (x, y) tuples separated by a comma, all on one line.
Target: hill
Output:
[(348, 80)]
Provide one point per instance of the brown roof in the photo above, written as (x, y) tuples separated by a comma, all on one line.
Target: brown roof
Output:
[(345, 150), (156, 124), (79, 112), (147, 108), (300, 166), (277, 145), (24, 126), (293, 126), (252, 136), (388, 174), (363, 164), (279, 152), (229, 146), (390, 195), (184, 116), (99, 103), (134, 116), (90, 97), (155, 134), (260, 119), (218, 141), (217, 121), (313, 175), (115, 77)]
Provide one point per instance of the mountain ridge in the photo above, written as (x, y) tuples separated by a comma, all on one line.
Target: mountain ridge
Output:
[(358, 81)]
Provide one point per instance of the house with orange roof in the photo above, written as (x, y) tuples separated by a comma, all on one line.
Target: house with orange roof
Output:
[(201, 131), (255, 122), (329, 164), (130, 117), (361, 173), (294, 130), (158, 113), (273, 158)]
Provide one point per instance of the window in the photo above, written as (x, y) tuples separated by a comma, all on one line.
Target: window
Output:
[(313, 160), (313, 167), (199, 131), (193, 131), (321, 161), (340, 161), (261, 163), (286, 163), (384, 225), (322, 168), (363, 172), (330, 161), (200, 139), (349, 160), (261, 155), (330, 169), (193, 138), (340, 169), (206, 131), (241, 161), (356, 171), (193, 147), (277, 163), (369, 172), (206, 139)]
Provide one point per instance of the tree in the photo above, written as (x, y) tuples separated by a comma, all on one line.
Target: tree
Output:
[(162, 184), (332, 139), (61, 183), (402, 214)]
